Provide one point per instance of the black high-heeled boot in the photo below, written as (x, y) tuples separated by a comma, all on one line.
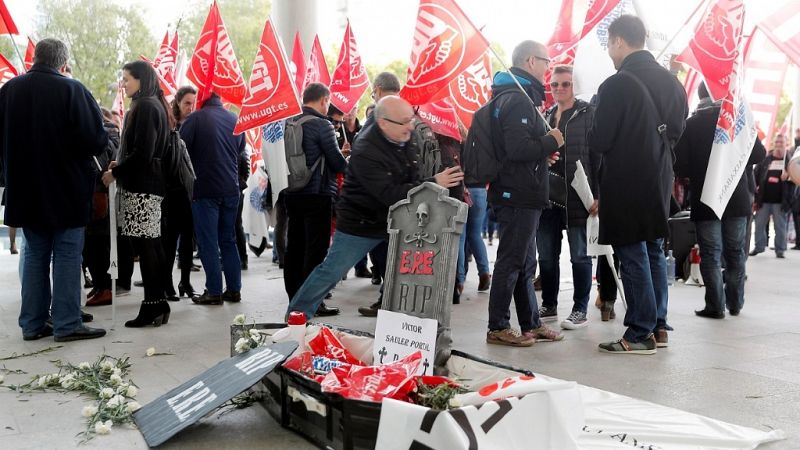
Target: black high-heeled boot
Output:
[(186, 289), (152, 312)]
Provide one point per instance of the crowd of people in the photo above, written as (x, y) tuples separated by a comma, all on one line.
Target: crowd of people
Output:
[(334, 219)]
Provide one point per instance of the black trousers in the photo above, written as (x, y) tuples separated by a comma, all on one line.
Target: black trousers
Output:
[(125, 255), (177, 235), (280, 225), (241, 240), (96, 256), (605, 278), (308, 237), (151, 262)]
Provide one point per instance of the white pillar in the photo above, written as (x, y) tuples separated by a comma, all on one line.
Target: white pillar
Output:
[(796, 100), (291, 16)]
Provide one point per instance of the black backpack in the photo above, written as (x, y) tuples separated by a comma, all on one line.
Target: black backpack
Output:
[(479, 159), (177, 166), (426, 147)]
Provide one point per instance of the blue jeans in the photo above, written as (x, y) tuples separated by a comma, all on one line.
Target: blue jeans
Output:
[(514, 269), (62, 247), (345, 251), (214, 227), (723, 239), (472, 232), (762, 219), (548, 241), (644, 278)]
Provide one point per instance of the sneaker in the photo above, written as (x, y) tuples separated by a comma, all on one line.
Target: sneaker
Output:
[(546, 313), (510, 337), (662, 338), (543, 334), (575, 320), (623, 347)]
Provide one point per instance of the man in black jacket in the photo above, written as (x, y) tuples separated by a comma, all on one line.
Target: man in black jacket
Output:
[(641, 112), (380, 173), (49, 185), (718, 238), (774, 196), (519, 194), (574, 118), (310, 209)]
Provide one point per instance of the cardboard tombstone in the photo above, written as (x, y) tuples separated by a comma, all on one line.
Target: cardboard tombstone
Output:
[(424, 233)]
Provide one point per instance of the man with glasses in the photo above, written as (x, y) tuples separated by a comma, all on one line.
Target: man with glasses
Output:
[(379, 174), (574, 118), (519, 193)]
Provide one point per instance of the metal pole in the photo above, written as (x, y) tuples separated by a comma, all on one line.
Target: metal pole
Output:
[(513, 77), (686, 22)]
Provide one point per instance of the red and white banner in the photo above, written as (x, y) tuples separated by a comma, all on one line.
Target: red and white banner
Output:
[(782, 27), (7, 25), (271, 96), (119, 102), (316, 69), (298, 63), (30, 51), (214, 67), (441, 116), (7, 70), (165, 61), (471, 89), (445, 44), (350, 76), (765, 67), (253, 138), (690, 85), (714, 48), (167, 87)]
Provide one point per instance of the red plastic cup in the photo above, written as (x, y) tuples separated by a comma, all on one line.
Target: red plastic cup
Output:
[(296, 318)]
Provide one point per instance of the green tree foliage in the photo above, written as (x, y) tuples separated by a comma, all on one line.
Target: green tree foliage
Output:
[(101, 36), (244, 20), (784, 109)]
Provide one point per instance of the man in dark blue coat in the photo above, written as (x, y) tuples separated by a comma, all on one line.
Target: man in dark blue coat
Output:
[(641, 112), (50, 127), (214, 150), (310, 209)]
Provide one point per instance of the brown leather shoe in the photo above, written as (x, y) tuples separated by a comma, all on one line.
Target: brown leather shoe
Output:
[(485, 281), (662, 338), (607, 311), (101, 298)]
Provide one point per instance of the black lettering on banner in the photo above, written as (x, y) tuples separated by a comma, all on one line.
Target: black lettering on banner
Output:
[(462, 421), (504, 407), (426, 426)]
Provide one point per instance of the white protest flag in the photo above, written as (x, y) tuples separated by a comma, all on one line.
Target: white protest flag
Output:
[(254, 219), (274, 157)]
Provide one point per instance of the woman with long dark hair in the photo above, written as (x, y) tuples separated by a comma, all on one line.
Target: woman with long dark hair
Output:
[(142, 184), (177, 210)]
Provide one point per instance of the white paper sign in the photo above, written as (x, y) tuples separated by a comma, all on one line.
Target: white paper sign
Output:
[(581, 185), (398, 335)]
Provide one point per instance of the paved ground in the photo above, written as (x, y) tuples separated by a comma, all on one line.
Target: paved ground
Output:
[(745, 370)]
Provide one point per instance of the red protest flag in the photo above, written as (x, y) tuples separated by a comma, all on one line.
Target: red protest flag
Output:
[(316, 69), (350, 77), (7, 25), (7, 70), (213, 67), (471, 89), (271, 95), (30, 51), (441, 117), (715, 45), (168, 86), (165, 61), (445, 43), (781, 28), (299, 62)]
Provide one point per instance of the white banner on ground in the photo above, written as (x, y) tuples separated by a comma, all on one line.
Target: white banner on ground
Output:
[(274, 157), (550, 418), (254, 216), (728, 159)]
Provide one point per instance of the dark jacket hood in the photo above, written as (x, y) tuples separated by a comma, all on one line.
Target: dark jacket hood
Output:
[(504, 81)]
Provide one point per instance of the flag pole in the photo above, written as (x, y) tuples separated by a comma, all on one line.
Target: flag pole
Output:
[(685, 23), (16, 47), (513, 77)]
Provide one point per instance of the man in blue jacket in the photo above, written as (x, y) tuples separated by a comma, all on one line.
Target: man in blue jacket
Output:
[(50, 127), (310, 209), (214, 150)]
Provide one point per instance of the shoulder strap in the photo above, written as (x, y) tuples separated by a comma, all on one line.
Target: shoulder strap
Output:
[(662, 125)]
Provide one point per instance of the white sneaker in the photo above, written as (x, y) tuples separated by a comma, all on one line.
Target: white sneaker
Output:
[(575, 320)]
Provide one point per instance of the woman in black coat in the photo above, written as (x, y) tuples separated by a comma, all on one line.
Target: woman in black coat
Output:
[(142, 185)]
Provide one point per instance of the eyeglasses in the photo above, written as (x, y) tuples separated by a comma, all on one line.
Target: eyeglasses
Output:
[(564, 84), (541, 58), (402, 123)]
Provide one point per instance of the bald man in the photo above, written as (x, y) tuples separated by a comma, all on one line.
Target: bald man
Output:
[(361, 212)]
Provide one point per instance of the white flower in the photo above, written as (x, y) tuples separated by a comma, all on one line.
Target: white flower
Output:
[(242, 345), (107, 366), (150, 351), (67, 381), (84, 366), (132, 391), (115, 401), (117, 371), (42, 381), (103, 427), (255, 333), (106, 393), (89, 411), (239, 320), (115, 380), (133, 406)]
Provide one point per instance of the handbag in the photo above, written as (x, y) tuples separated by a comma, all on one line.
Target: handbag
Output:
[(558, 189), (99, 205)]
